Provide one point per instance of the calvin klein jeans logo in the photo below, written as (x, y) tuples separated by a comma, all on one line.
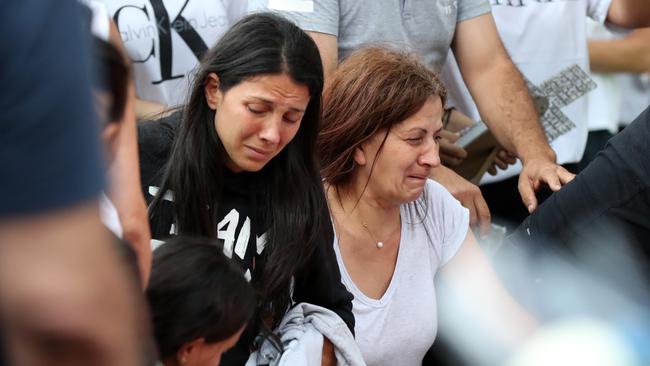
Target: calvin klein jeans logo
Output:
[(159, 23)]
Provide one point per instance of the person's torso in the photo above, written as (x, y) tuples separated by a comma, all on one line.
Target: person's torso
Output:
[(547, 42), (165, 40), (385, 327), (423, 26)]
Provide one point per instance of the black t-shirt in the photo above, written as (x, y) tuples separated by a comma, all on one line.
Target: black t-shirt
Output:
[(241, 223)]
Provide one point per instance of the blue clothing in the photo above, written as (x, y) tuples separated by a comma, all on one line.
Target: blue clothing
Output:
[(50, 155)]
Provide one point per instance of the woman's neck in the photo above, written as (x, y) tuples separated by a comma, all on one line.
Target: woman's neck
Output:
[(361, 205)]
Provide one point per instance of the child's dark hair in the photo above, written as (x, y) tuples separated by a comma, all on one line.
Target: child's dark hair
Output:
[(194, 292), (112, 76)]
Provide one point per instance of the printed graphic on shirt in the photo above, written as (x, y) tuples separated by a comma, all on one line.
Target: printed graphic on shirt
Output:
[(152, 30), (519, 3), (235, 231), (558, 92)]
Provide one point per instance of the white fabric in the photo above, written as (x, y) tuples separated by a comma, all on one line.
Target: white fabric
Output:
[(400, 327), (301, 332), (605, 101), (108, 215), (543, 38), (99, 25), (142, 26), (636, 96)]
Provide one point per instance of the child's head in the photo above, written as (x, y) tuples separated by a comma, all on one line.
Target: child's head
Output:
[(200, 301), (110, 89)]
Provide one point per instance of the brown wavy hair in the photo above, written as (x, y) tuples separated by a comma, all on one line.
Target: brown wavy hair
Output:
[(372, 90)]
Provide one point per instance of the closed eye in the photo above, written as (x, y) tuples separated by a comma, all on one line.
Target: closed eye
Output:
[(255, 110), (415, 140)]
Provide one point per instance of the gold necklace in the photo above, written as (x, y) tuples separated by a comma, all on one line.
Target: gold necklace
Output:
[(380, 244)]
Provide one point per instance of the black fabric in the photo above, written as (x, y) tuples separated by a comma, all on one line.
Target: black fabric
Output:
[(596, 141), (319, 282), (602, 218)]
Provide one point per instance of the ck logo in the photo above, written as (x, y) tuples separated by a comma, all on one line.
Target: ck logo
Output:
[(150, 20)]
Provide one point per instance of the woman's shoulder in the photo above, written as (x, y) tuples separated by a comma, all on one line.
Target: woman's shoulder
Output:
[(155, 140)]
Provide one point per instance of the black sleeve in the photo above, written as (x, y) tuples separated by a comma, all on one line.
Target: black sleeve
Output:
[(155, 139), (319, 283)]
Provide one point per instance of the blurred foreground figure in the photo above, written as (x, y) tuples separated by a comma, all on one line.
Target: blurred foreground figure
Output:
[(606, 209), (64, 297)]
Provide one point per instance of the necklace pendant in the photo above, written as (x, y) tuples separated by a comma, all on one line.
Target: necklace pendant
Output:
[(380, 244)]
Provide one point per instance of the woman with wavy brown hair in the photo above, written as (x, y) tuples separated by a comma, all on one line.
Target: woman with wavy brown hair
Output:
[(395, 228)]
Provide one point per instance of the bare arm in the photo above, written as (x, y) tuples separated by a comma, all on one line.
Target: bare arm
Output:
[(328, 48), (628, 54), (505, 105), (65, 299), (629, 13), (125, 182), (474, 284)]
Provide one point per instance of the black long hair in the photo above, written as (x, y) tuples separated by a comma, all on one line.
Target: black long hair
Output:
[(195, 292), (292, 196)]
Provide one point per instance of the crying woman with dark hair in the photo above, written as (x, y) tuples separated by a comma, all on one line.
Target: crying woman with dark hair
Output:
[(241, 166)]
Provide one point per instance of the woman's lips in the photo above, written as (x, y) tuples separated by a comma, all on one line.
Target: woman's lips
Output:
[(257, 153)]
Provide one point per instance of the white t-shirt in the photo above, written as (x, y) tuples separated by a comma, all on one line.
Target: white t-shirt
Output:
[(164, 39), (636, 89), (400, 327), (604, 101), (547, 41)]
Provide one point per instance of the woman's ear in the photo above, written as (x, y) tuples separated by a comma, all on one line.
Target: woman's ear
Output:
[(187, 350), (211, 91), (359, 155)]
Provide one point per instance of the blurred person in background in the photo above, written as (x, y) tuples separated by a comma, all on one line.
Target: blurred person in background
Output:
[(123, 207), (165, 40)]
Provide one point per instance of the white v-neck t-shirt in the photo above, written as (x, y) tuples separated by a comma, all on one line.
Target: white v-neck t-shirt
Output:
[(400, 327)]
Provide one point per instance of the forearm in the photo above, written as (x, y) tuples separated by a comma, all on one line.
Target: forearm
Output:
[(629, 13), (628, 54), (506, 107)]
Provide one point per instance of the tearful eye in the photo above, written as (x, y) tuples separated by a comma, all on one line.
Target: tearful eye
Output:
[(255, 110), (414, 140), (291, 120)]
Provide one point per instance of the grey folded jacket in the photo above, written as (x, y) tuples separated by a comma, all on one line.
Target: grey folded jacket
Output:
[(301, 333)]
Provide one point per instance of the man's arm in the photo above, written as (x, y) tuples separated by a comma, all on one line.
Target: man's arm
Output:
[(628, 54), (629, 13), (504, 103), (328, 47)]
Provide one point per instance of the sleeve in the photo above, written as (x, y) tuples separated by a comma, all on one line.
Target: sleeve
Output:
[(320, 284), (598, 9), (449, 218), (468, 9), (49, 145), (310, 15), (155, 139)]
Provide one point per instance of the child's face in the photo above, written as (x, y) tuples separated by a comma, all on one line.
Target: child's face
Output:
[(199, 353)]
